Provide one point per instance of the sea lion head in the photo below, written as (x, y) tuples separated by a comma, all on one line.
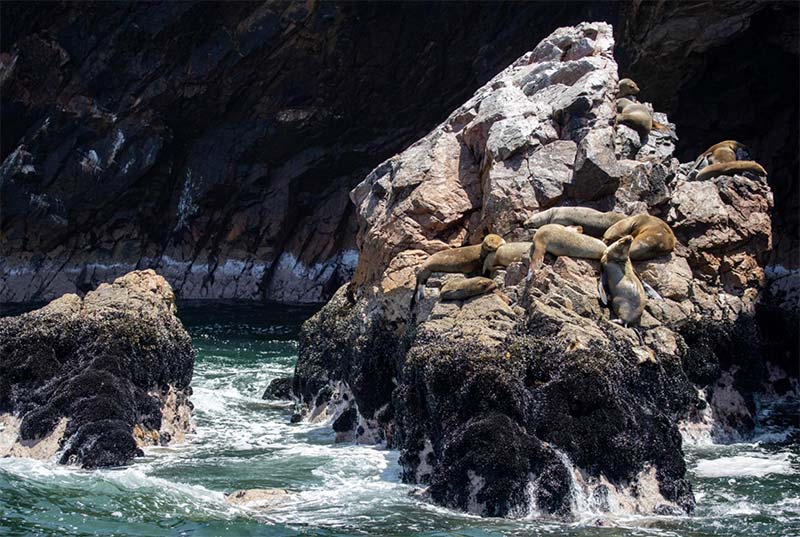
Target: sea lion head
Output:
[(627, 87), (485, 285), (618, 251), (491, 243)]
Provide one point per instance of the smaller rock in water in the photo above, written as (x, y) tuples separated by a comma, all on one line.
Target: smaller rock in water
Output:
[(279, 388), (260, 498), (90, 381)]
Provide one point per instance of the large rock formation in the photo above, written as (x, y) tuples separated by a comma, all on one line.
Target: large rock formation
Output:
[(531, 399), (217, 143), (93, 380)]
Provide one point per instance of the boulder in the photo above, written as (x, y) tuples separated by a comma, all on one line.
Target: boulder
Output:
[(90, 381), (279, 388)]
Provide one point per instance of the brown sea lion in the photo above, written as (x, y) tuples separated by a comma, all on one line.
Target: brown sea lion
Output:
[(626, 87), (619, 284), (652, 236), (593, 222), (725, 151), (725, 158), (507, 254), (561, 240), (632, 113), (466, 259), (730, 168), (464, 288)]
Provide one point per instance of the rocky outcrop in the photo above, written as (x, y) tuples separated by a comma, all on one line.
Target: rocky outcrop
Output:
[(530, 399), (220, 149), (90, 381)]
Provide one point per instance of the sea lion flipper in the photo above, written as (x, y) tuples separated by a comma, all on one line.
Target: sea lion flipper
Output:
[(601, 289), (651, 293)]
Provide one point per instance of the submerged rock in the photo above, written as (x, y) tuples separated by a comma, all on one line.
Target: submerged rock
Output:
[(530, 399), (93, 380), (280, 388), (258, 498)]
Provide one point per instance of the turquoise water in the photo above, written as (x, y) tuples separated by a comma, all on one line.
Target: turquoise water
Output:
[(242, 442)]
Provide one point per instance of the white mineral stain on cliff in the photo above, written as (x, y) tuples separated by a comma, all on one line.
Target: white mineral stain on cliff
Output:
[(186, 205), (293, 280), (784, 283), (90, 163), (119, 139)]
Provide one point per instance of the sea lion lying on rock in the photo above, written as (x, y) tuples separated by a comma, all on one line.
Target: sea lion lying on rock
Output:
[(620, 284), (730, 168), (464, 288), (652, 236), (725, 151), (593, 222), (562, 240), (464, 260), (725, 158), (508, 253), (631, 113)]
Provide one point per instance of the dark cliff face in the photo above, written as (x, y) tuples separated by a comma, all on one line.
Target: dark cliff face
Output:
[(218, 143)]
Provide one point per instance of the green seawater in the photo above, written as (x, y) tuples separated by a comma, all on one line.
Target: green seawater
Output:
[(242, 441)]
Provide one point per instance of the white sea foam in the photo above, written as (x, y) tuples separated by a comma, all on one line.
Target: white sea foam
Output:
[(750, 464), (164, 493)]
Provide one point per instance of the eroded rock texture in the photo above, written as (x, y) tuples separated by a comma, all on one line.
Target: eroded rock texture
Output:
[(92, 380), (217, 144), (530, 398)]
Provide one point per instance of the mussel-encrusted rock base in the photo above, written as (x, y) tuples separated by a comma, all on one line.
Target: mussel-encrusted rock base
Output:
[(530, 399), (92, 380)]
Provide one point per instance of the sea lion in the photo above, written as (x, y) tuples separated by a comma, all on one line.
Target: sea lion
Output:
[(626, 87), (725, 151), (466, 259), (507, 254), (462, 289), (593, 222), (561, 240), (725, 158), (652, 236), (620, 282), (632, 113), (730, 168)]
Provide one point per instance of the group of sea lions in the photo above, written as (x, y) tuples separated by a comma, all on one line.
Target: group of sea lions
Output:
[(560, 231), (610, 237)]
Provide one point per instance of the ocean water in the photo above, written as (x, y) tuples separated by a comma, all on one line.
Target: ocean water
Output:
[(242, 441)]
